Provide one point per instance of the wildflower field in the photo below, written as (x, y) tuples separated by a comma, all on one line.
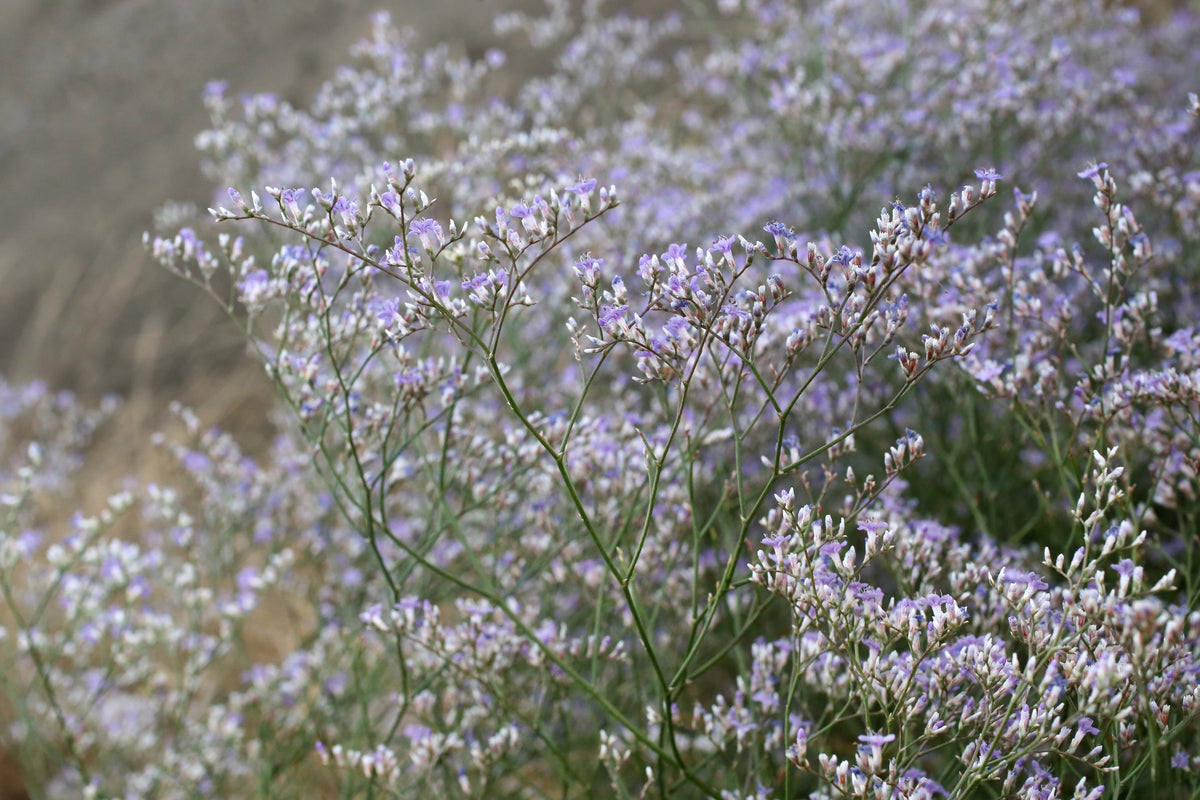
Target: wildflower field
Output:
[(770, 399)]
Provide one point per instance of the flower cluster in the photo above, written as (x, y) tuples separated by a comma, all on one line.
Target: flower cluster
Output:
[(807, 463)]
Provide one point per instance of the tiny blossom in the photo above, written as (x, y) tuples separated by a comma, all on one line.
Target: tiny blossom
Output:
[(429, 232), (391, 203), (876, 740), (988, 371), (583, 187)]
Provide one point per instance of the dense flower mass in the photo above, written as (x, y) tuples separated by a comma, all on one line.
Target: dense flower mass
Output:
[(770, 400)]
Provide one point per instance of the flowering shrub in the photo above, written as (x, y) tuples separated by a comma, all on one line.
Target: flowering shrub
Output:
[(836, 504)]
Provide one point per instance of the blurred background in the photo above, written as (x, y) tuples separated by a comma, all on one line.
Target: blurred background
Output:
[(100, 101)]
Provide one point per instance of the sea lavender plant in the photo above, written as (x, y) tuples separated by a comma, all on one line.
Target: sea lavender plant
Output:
[(563, 506)]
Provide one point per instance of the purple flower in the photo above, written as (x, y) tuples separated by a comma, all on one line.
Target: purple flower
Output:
[(1092, 171), (429, 232), (373, 616), (1181, 760), (588, 269), (475, 282), (417, 733), (676, 328), (347, 209), (290, 199), (583, 187), (676, 252), (988, 371), (611, 315), (1027, 579), (1125, 568), (195, 461), (391, 203), (247, 578), (877, 740), (778, 229), (843, 256), (736, 312), (724, 246), (872, 526), (28, 542), (389, 309)]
